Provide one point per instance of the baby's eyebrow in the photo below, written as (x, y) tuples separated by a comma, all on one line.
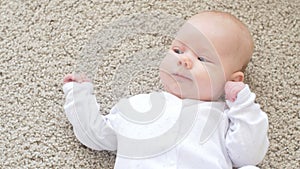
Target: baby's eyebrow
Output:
[(185, 46), (176, 42)]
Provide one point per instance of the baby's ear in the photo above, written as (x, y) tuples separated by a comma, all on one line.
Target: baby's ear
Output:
[(237, 77)]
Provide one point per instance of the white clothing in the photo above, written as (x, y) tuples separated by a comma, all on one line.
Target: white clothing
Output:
[(218, 137)]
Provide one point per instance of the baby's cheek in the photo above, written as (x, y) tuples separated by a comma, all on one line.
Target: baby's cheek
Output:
[(166, 80), (217, 82), (163, 78)]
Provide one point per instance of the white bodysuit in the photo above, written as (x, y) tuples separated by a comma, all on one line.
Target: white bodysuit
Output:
[(209, 135)]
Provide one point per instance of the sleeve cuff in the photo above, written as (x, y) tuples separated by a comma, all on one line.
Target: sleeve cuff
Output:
[(67, 87), (77, 86)]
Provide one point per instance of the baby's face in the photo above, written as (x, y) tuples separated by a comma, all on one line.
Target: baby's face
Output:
[(199, 61)]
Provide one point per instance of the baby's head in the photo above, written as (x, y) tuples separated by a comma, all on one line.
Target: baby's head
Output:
[(210, 49)]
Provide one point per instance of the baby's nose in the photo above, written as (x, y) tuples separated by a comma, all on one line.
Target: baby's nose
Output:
[(185, 61)]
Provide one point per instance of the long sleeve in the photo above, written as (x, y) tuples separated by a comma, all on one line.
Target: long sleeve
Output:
[(82, 110), (246, 138)]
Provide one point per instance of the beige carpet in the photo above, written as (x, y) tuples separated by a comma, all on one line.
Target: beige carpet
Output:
[(41, 41)]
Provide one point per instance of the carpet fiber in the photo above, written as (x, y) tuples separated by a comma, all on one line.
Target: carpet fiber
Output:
[(41, 41)]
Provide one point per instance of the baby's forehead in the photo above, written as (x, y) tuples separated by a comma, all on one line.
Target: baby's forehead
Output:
[(191, 35)]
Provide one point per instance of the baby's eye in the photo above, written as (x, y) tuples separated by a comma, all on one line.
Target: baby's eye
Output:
[(202, 59), (178, 51)]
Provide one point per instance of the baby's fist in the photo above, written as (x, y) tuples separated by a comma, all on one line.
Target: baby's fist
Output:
[(232, 89), (79, 78)]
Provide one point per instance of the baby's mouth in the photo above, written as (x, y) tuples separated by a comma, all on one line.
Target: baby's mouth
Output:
[(180, 77)]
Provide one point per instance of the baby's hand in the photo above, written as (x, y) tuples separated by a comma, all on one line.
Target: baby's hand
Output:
[(79, 78), (232, 89)]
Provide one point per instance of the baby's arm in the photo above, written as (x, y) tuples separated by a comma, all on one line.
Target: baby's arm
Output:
[(90, 127), (246, 138)]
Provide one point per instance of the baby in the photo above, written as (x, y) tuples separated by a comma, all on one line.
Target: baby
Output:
[(187, 126)]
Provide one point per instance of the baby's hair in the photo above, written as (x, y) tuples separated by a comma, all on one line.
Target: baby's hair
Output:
[(244, 29)]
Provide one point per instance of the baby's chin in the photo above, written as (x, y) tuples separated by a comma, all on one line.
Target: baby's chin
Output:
[(173, 92)]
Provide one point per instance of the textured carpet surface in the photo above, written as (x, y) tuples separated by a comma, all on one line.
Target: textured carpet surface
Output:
[(41, 41)]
